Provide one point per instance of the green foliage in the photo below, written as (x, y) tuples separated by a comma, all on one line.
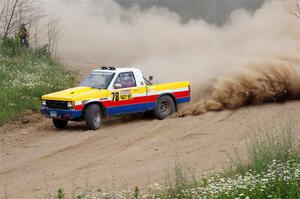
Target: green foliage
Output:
[(11, 47), (60, 194), (176, 183), (265, 146), (137, 194), (25, 76), (272, 170)]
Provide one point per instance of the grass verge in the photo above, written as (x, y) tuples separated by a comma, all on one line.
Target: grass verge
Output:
[(25, 75), (271, 170)]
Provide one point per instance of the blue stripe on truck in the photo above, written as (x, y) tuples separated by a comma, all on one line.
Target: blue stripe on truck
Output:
[(133, 108), (136, 108), (183, 100)]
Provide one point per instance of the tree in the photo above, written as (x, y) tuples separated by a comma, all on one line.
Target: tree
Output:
[(42, 27), (13, 13), (297, 13), (53, 34), (10, 18)]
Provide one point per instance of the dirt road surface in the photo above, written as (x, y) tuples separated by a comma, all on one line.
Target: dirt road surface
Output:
[(37, 159)]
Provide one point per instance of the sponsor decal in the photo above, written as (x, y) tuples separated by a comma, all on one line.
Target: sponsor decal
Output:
[(123, 95), (125, 92)]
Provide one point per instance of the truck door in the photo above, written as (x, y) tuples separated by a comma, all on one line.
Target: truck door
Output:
[(127, 96)]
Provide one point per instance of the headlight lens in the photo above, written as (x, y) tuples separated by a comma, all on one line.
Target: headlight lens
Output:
[(70, 104), (43, 102)]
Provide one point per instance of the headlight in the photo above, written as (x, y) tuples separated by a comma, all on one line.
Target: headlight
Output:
[(43, 102), (70, 104)]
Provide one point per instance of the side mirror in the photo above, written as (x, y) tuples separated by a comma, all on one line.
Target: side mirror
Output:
[(117, 86), (150, 78)]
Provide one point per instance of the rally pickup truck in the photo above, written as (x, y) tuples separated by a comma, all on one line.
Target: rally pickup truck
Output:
[(111, 91)]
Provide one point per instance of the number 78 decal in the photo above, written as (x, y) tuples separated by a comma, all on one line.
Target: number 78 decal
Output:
[(118, 96)]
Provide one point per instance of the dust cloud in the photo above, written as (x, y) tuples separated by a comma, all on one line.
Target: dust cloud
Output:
[(256, 84), (253, 58)]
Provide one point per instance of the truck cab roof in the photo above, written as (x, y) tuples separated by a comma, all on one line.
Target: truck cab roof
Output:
[(116, 70), (137, 74)]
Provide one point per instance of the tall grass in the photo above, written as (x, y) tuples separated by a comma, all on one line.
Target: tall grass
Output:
[(25, 75), (266, 145), (271, 170)]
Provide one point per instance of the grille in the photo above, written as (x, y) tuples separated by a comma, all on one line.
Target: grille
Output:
[(57, 104)]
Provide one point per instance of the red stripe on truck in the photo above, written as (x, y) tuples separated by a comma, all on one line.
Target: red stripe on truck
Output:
[(137, 100)]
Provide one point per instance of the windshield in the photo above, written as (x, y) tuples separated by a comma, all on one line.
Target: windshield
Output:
[(99, 80)]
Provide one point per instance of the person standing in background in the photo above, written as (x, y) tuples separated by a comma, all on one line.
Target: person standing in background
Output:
[(24, 35)]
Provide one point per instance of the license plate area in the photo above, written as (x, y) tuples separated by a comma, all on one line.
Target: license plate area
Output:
[(53, 114)]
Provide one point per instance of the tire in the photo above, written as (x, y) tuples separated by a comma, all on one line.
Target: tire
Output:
[(60, 124), (93, 117), (165, 107)]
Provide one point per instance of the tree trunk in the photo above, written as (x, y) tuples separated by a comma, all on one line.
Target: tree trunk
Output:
[(10, 19)]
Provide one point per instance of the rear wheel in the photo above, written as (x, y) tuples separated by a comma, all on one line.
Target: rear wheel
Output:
[(60, 124), (93, 117), (165, 107)]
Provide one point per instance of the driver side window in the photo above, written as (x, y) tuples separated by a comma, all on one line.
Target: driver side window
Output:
[(125, 80)]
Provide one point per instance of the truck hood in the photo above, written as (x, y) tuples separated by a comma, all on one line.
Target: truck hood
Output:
[(76, 94)]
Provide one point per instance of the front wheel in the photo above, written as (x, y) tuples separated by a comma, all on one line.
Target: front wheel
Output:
[(93, 117), (165, 107), (60, 124)]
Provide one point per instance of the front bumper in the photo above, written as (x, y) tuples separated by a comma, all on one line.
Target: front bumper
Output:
[(63, 114)]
